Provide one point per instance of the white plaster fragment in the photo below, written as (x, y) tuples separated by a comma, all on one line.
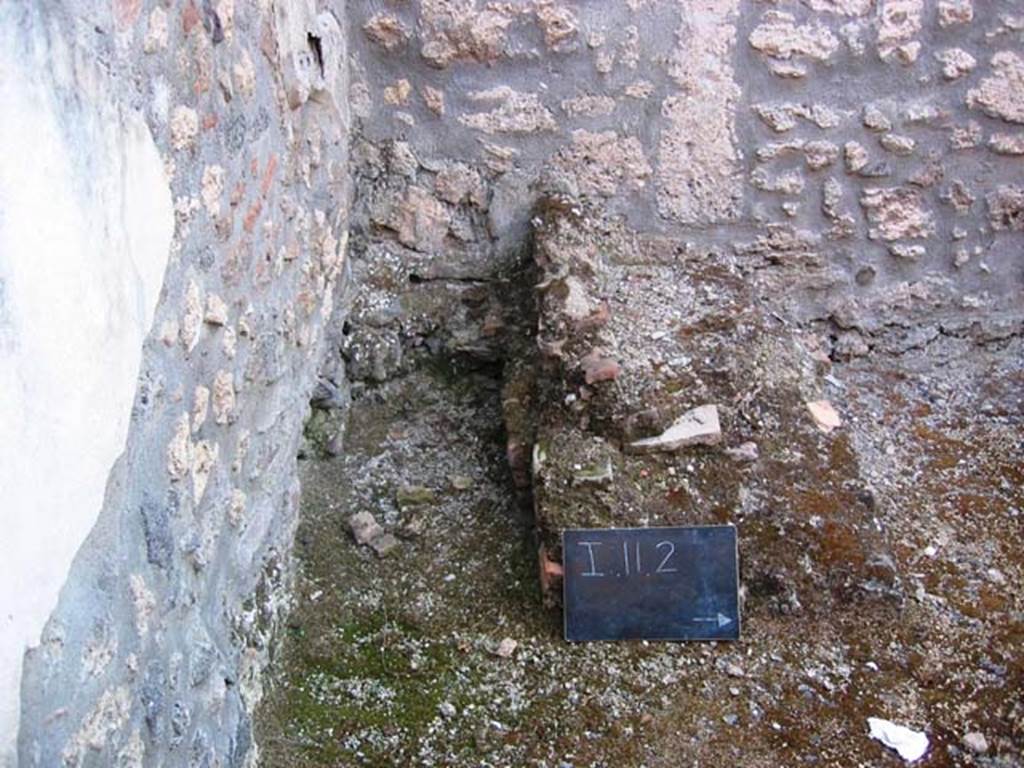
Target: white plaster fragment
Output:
[(910, 745), (695, 427)]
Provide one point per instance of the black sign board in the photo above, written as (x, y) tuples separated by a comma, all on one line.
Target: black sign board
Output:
[(651, 583)]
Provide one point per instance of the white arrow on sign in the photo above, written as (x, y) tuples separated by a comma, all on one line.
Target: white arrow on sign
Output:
[(721, 620)]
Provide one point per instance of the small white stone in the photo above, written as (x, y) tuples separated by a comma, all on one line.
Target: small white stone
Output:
[(204, 456), (179, 450), (211, 189), (190, 321)]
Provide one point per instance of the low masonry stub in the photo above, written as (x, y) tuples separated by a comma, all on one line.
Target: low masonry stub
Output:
[(678, 583)]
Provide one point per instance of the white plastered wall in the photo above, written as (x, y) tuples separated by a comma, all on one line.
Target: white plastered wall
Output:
[(86, 221)]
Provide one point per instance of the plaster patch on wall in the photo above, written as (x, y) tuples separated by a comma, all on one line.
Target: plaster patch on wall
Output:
[(85, 225)]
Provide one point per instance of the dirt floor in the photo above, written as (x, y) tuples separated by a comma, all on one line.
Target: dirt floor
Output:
[(440, 653)]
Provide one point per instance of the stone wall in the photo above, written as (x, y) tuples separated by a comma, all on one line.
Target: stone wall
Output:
[(151, 656), (861, 158), (854, 164)]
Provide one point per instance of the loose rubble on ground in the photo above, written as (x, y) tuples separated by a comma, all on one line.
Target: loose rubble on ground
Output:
[(624, 264), (876, 500)]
